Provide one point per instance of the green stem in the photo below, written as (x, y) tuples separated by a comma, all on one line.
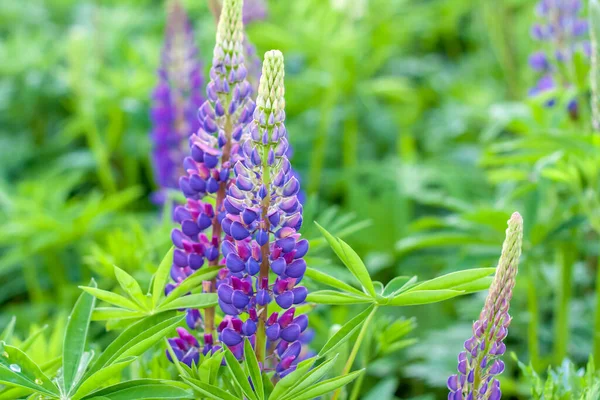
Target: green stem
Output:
[(533, 309), (596, 350), (355, 348), (261, 336), (565, 260)]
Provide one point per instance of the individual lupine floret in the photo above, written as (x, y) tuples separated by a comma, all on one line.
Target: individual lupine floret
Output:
[(480, 364), (214, 147), (263, 216), (187, 349), (563, 31), (175, 100)]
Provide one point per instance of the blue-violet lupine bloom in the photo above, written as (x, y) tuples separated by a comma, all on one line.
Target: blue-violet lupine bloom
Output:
[(262, 222), (480, 364), (175, 101), (564, 32), (214, 148)]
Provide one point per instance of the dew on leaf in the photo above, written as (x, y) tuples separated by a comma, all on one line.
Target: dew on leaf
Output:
[(15, 368)]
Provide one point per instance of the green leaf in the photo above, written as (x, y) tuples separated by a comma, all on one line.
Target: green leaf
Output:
[(292, 379), (328, 386), (32, 338), (105, 313), (161, 277), (142, 389), (254, 369), (7, 332), (200, 300), (329, 280), (350, 259), (136, 339), (131, 287), (307, 380), (99, 378), (333, 297), (357, 267), (416, 297), (193, 281), (111, 298), (210, 391), (476, 286), (240, 377), (17, 369), (345, 332), (397, 284), (75, 337), (453, 279)]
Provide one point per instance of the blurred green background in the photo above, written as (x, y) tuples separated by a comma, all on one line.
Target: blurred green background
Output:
[(408, 116)]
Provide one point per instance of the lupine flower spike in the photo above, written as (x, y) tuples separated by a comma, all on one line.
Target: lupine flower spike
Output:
[(479, 364), (176, 99), (214, 149), (564, 32), (262, 222)]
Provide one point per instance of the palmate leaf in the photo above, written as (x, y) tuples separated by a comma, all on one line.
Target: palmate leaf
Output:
[(337, 298), (309, 379), (161, 277), (345, 332), (112, 298), (132, 288), (399, 284), (417, 297), (454, 279), (289, 381), (7, 332), (209, 391), (254, 369), (99, 378), (17, 369), (75, 337), (238, 374), (328, 386), (136, 339), (329, 280), (349, 257), (193, 281), (200, 300), (143, 389)]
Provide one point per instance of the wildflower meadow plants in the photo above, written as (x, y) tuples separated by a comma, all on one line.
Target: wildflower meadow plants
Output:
[(247, 302)]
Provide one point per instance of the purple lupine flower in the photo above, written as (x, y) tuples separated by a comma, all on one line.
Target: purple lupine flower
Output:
[(176, 98), (563, 30), (214, 148), (480, 364), (263, 216)]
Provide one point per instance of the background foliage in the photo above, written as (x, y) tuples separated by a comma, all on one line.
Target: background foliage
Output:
[(408, 116)]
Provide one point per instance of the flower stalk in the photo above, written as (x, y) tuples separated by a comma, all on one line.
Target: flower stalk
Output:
[(479, 364)]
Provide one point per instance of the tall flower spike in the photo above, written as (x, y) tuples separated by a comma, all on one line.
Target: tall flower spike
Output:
[(560, 27), (176, 98), (262, 222), (480, 363), (214, 148)]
